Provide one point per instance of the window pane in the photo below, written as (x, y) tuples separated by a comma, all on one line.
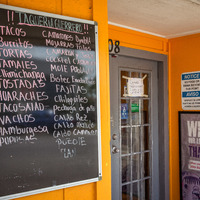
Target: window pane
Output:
[(136, 167), (126, 191), (135, 108), (146, 189), (146, 83), (145, 112), (126, 169), (124, 82), (125, 140), (136, 139), (146, 164), (136, 191), (145, 138), (135, 74)]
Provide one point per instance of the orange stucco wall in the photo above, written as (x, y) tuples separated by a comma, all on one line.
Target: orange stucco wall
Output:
[(184, 57), (97, 11), (94, 10)]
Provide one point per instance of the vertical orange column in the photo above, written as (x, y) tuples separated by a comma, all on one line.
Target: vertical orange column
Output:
[(100, 16), (80, 9)]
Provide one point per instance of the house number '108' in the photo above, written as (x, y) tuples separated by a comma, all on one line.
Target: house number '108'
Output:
[(114, 46)]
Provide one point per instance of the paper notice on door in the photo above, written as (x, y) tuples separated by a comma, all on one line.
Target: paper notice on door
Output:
[(135, 87)]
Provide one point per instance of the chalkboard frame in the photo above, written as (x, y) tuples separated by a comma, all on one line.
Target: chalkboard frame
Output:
[(98, 178)]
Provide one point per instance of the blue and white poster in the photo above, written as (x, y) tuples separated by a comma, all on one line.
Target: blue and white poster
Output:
[(190, 90)]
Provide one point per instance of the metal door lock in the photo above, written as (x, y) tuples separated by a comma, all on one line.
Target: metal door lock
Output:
[(114, 136), (115, 149)]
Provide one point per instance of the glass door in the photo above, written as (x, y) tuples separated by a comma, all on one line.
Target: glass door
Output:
[(134, 129)]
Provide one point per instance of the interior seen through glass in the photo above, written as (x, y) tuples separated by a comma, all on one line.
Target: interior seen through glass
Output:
[(135, 139)]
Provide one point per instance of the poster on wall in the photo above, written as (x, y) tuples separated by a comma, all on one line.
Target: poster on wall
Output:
[(190, 90), (189, 138)]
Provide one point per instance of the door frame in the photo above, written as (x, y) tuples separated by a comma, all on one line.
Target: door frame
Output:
[(163, 128)]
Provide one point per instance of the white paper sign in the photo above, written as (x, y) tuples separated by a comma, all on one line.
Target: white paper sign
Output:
[(135, 87), (190, 89)]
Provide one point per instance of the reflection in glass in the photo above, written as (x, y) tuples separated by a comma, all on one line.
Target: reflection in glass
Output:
[(125, 140), (146, 189), (135, 108), (145, 138), (136, 139), (126, 169), (135, 74), (145, 113), (146, 83), (136, 191), (126, 190), (135, 118), (146, 164), (124, 82), (136, 167)]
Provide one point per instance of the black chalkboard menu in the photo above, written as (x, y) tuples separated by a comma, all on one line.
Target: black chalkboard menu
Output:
[(49, 102)]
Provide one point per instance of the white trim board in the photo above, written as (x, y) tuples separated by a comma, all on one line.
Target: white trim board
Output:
[(155, 34)]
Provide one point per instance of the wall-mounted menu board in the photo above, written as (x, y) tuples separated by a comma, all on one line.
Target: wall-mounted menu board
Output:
[(49, 102)]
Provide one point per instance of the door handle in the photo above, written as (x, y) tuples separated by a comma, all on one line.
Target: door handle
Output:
[(115, 149)]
